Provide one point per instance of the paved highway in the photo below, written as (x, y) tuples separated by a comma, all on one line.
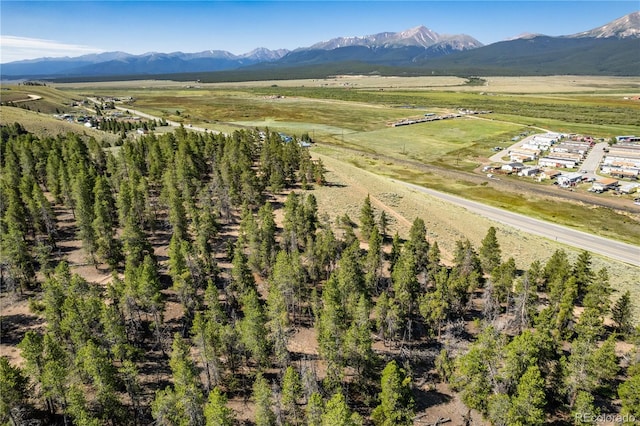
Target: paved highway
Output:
[(610, 248)]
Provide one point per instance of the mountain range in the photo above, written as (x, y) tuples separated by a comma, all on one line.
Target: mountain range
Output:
[(612, 49)]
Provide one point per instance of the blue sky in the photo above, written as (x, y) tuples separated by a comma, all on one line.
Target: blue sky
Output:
[(32, 29)]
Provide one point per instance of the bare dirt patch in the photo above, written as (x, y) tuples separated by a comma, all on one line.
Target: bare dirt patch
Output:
[(15, 320)]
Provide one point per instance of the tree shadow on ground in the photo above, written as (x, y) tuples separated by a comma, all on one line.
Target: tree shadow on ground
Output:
[(14, 327)]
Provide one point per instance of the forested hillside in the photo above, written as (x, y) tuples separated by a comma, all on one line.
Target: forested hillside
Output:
[(226, 227)]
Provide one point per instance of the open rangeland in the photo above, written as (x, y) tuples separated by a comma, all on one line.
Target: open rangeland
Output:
[(355, 112), (348, 118)]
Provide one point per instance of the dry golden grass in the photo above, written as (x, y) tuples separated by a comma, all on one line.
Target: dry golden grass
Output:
[(446, 223), (547, 84), (45, 125)]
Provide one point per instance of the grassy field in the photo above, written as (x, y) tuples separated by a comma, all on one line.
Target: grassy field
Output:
[(45, 125), (356, 112), (354, 177), (603, 221), (441, 142)]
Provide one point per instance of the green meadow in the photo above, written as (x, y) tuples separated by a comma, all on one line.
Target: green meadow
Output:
[(357, 113)]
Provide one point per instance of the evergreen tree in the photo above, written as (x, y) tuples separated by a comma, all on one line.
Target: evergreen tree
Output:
[(55, 375), (44, 216), (216, 412), (267, 235), (288, 278), (15, 259), (396, 403), (434, 305), (384, 317), (557, 270), (373, 262), (278, 322), (621, 313), (519, 354), (242, 278), (330, 332), (351, 283), (498, 408), (252, 328), (527, 405), (629, 392), (502, 277), (419, 245), (183, 280), (474, 373), (78, 408), (314, 410), (291, 393), (262, 397), (444, 365), (337, 413), (588, 368), (84, 211), (598, 292), (129, 375), (181, 404), (396, 249), (490, 253), (175, 202), (367, 218), (104, 224), (383, 224), (13, 390), (467, 271), (357, 345), (583, 273), (525, 298), (93, 362), (405, 290), (583, 409)]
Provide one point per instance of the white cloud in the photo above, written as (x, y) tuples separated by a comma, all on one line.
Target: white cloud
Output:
[(14, 48)]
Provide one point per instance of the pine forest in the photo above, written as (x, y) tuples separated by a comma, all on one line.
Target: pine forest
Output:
[(222, 268)]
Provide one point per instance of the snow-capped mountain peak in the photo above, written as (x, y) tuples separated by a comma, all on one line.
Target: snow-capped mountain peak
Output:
[(627, 26), (420, 36)]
